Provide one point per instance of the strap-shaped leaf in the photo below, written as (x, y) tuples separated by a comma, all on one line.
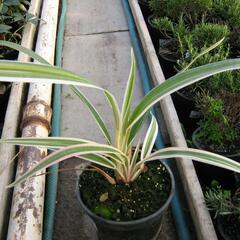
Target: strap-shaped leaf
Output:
[(115, 108), (198, 155), (49, 142), (12, 71), (68, 152), (127, 101), (150, 138), (137, 127), (94, 112), (179, 81), (135, 156), (27, 51)]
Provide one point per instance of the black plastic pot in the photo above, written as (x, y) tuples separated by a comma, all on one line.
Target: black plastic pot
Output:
[(168, 65), (144, 8), (207, 173), (154, 33), (3, 106), (223, 225), (187, 113), (146, 228)]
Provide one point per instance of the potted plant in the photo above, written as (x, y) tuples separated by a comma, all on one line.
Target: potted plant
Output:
[(116, 164), (218, 132), (225, 206), (219, 129)]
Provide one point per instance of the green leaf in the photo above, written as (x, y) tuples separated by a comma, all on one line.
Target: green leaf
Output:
[(116, 112), (135, 157), (126, 108), (198, 155), (4, 28), (12, 71), (179, 81), (150, 138), (136, 127), (68, 152), (49, 142), (28, 52), (11, 2), (94, 112)]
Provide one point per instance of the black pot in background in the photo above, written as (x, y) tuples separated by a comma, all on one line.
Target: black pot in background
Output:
[(146, 228), (207, 173), (187, 113), (3, 106), (154, 33), (144, 8), (223, 225)]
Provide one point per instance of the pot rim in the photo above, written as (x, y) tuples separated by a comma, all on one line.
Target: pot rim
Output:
[(133, 222)]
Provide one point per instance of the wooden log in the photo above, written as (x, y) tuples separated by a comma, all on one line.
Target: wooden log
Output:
[(26, 216), (11, 124), (199, 212)]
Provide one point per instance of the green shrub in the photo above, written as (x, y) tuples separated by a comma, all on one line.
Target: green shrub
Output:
[(206, 34), (13, 16), (220, 130), (227, 11), (194, 11), (222, 202)]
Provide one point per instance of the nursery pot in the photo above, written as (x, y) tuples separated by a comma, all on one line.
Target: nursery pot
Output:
[(154, 32), (144, 8), (207, 173), (167, 63), (187, 113), (147, 228), (228, 227)]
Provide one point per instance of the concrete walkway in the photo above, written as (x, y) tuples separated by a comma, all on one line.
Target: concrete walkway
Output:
[(96, 45)]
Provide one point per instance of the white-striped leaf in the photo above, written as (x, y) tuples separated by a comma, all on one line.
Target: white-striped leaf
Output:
[(12, 71), (136, 128), (127, 101), (150, 138), (49, 142), (27, 51), (115, 108), (179, 81), (195, 154), (94, 112), (68, 152)]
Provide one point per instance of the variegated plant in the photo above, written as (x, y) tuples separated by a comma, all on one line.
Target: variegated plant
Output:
[(118, 153)]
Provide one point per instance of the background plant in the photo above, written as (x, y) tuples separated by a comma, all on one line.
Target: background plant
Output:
[(13, 17), (193, 11), (222, 202), (220, 126)]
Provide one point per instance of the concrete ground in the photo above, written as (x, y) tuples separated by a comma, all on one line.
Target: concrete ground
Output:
[(96, 45)]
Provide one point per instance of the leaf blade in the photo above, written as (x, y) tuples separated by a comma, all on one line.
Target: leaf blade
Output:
[(65, 153), (94, 113), (196, 154), (179, 81), (150, 138)]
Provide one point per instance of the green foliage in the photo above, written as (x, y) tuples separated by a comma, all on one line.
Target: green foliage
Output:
[(227, 11), (219, 128), (205, 34), (221, 202), (191, 45), (13, 16), (193, 11)]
